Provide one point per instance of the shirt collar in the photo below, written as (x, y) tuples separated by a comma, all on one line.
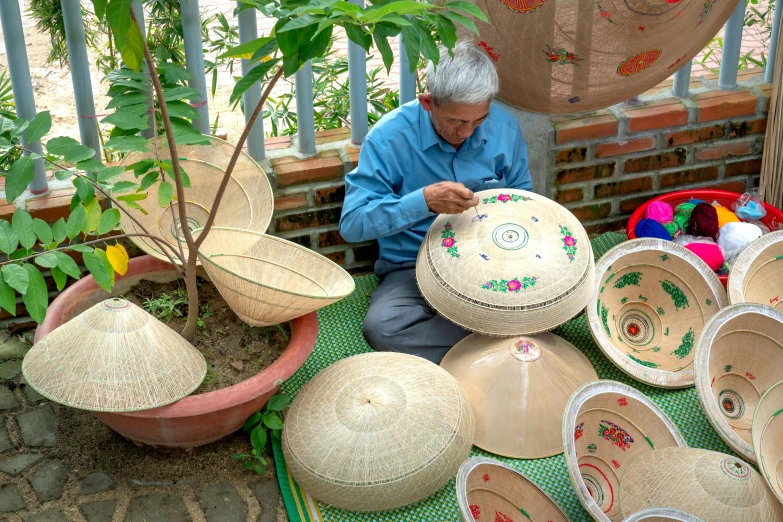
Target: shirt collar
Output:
[(430, 138)]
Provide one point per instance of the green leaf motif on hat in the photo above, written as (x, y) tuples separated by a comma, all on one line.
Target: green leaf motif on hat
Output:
[(512, 285), (604, 317), (448, 241), (646, 364), (504, 198), (686, 346), (632, 278), (679, 298)]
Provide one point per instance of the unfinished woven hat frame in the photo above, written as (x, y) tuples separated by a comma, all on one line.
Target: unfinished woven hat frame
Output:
[(662, 515), (490, 490), (517, 264), (738, 358), (247, 202), (652, 300), (114, 357), (767, 431), (606, 426), (757, 274), (565, 57)]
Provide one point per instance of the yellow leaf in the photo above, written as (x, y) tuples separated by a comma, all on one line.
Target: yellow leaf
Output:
[(118, 258)]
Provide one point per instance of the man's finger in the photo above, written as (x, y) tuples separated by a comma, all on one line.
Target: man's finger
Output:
[(463, 192)]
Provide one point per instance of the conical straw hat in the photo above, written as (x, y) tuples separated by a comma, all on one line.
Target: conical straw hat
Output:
[(711, 485), (490, 490), (267, 280), (377, 431), (606, 426), (662, 515), (652, 300), (757, 274), (767, 431), (519, 388), (569, 57), (247, 202), (114, 357), (738, 358), (517, 264)]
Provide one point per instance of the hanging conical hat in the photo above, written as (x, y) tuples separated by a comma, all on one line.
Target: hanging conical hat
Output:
[(490, 490), (517, 264), (767, 431), (755, 276), (652, 300), (247, 202), (114, 357), (567, 57), (711, 485), (738, 358), (519, 388), (662, 515), (606, 426)]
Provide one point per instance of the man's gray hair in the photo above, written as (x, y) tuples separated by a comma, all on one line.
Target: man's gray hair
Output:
[(469, 78)]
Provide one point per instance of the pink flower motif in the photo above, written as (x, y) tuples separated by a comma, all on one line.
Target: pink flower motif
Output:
[(569, 241), (504, 197), (448, 242), (488, 285), (514, 285)]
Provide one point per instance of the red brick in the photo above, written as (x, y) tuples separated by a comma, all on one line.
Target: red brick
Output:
[(337, 257), (21, 311), (281, 142), (301, 240), (574, 155), (289, 202), (7, 211), (655, 162), (629, 205), (591, 212), (332, 135), (732, 186), (309, 170), (568, 195), (331, 238), (713, 132), (743, 128), (366, 253), (563, 177), (610, 226), (725, 151), (328, 195), (599, 124), (657, 114), (743, 168), (766, 91), (616, 148), (689, 176), (318, 218), (628, 186), (719, 105), (353, 154)]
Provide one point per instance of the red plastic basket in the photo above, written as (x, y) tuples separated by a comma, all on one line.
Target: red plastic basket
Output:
[(773, 219)]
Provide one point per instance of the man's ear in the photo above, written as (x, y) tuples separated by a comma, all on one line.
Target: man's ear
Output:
[(425, 100)]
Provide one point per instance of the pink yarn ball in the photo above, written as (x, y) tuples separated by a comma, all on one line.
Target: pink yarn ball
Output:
[(709, 253), (660, 211)]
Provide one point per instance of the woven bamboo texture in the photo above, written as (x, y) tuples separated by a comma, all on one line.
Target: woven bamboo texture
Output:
[(517, 264), (710, 485), (757, 273), (114, 357), (606, 426), (519, 388), (267, 280), (490, 490), (771, 179), (247, 202), (662, 515), (767, 431), (652, 300), (580, 55), (738, 358), (378, 431)]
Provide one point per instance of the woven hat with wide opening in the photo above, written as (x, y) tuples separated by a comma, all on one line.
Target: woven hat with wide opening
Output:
[(755, 276), (652, 300), (490, 490), (267, 280), (606, 426), (377, 431), (517, 264), (247, 202), (767, 431), (711, 485), (738, 358), (519, 388), (114, 357), (576, 56), (662, 515)]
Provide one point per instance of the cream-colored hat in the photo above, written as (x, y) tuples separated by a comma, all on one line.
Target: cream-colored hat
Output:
[(767, 432), (757, 274)]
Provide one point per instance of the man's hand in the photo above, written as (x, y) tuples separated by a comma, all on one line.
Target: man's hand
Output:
[(448, 197)]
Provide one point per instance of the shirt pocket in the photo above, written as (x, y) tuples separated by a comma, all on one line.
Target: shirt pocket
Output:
[(490, 184)]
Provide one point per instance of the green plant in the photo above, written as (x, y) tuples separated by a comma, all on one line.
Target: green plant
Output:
[(202, 320), (166, 307), (257, 427), (10, 130), (757, 16), (210, 376)]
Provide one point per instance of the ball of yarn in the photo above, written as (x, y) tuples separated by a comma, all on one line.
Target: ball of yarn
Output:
[(703, 221), (683, 211), (710, 254), (672, 228), (685, 239), (725, 215), (651, 228), (660, 211), (681, 221), (736, 236)]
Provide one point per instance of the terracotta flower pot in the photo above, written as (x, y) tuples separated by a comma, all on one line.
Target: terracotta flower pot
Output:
[(197, 419)]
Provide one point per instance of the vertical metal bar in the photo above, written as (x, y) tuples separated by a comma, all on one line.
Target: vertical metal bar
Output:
[(357, 87), (248, 31), (777, 21), (305, 121), (682, 80), (732, 43), (138, 10), (407, 80), (11, 20), (194, 57)]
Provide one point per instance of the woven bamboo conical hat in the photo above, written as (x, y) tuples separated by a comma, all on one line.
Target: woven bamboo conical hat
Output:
[(662, 515), (267, 280), (738, 358), (710, 485), (114, 357), (580, 55), (757, 274), (517, 264), (606, 426), (519, 388), (490, 490), (377, 431), (652, 300), (767, 431), (247, 202)]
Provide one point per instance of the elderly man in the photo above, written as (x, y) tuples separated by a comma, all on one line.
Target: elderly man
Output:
[(425, 158)]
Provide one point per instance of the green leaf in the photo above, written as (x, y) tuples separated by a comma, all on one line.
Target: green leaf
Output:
[(108, 221), (165, 193), (62, 175), (251, 422), (127, 121), (19, 254), (19, 176), (59, 231), (133, 197), (128, 144), (358, 36), (298, 23), (105, 260), (149, 179), (124, 186), (20, 125), (60, 145), (23, 226), (412, 46), (291, 64), (181, 93), (47, 260), (287, 40), (7, 297), (386, 51), (252, 76), (9, 239), (92, 217), (278, 403), (85, 189), (174, 73), (100, 8), (447, 31), (128, 99), (317, 46), (399, 8), (133, 51), (37, 297), (272, 421), (91, 165), (429, 48), (265, 50), (78, 247), (467, 7), (462, 20), (75, 221), (110, 173), (17, 277), (43, 231), (258, 437), (98, 269), (59, 278), (68, 265), (247, 49), (6, 124), (185, 178), (38, 127), (180, 109), (118, 16), (79, 153)]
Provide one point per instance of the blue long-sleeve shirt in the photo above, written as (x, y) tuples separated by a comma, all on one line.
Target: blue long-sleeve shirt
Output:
[(402, 154)]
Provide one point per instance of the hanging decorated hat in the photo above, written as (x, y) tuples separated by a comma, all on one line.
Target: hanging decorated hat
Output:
[(519, 388), (767, 431), (755, 275), (114, 357), (662, 515), (517, 264)]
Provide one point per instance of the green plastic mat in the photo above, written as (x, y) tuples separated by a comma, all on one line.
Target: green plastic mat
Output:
[(340, 336)]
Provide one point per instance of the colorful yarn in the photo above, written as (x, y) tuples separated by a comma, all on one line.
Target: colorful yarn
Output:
[(684, 209), (660, 211), (736, 236), (681, 221), (672, 228), (710, 254), (651, 228), (703, 221), (751, 211), (685, 239), (724, 215)]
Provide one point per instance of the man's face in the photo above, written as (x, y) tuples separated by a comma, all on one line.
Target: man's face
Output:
[(455, 122)]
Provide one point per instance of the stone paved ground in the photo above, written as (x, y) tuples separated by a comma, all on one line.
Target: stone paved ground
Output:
[(36, 484)]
